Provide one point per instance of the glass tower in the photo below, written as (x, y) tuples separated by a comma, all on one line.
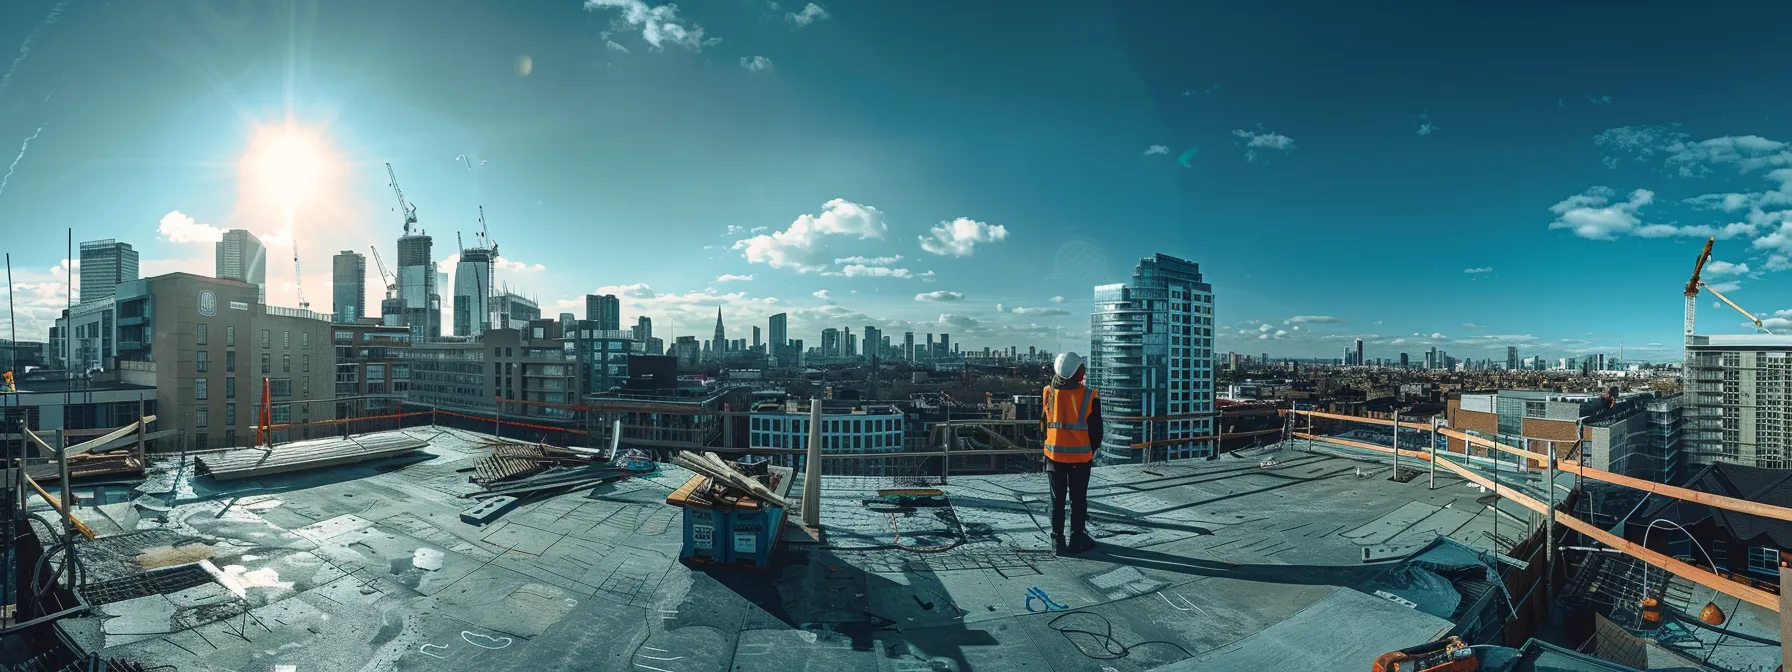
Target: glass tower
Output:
[(1151, 355)]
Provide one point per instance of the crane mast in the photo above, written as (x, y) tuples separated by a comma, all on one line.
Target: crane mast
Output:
[(391, 283), (298, 278)]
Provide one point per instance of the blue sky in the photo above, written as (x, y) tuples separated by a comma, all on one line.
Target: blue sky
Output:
[(1438, 176)]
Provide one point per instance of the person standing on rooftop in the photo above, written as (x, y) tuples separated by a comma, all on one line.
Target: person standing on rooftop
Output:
[(1070, 418)]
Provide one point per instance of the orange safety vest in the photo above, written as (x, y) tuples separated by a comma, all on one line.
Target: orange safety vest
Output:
[(1067, 425)]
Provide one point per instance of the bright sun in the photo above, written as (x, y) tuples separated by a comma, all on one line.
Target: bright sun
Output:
[(285, 164)]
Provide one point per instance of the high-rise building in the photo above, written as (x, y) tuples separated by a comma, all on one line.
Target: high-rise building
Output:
[(756, 337), (852, 343), (1403, 361), (945, 346), (473, 290), (830, 342), (721, 339), (1738, 400), (930, 347), (104, 264), (1359, 352), (1511, 357), (417, 287), (1151, 354), (606, 311), (513, 311), (348, 286), (874, 342), (241, 257), (779, 326), (908, 345)]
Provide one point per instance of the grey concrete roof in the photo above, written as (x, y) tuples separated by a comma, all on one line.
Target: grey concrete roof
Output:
[(1202, 565)]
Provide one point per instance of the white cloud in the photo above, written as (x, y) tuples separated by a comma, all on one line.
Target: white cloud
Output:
[(733, 230), (822, 294), (1057, 299), (870, 261), (1042, 312), (1258, 145), (756, 64), (1726, 268), (1780, 240), (1427, 128), (1725, 287), (1438, 337), (803, 245), (639, 290), (810, 14), (1593, 216), (939, 296), (613, 46), (1472, 325), (959, 237), (1157, 149), (504, 264), (1264, 327), (179, 228), (730, 277), (863, 271), (1316, 319), (927, 277), (1478, 269), (1778, 262), (1686, 157), (660, 25)]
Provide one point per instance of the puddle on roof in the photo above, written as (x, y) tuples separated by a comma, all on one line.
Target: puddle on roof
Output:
[(239, 579)]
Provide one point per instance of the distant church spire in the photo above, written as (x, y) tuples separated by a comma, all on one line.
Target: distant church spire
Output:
[(720, 345)]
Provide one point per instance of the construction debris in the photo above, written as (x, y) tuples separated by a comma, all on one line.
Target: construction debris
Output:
[(305, 455), (717, 469)]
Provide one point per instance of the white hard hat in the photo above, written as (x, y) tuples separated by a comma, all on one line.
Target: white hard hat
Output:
[(1067, 364)]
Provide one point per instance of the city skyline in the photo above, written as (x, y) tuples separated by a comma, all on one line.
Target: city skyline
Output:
[(996, 229)]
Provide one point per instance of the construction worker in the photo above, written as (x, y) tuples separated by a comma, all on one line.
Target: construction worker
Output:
[(9, 383), (1071, 420)]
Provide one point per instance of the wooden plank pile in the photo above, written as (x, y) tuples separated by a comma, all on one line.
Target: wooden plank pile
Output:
[(305, 455), (723, 473)]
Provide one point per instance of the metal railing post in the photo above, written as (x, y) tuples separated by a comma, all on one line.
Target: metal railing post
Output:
[(946, 459), (1433, 442), (68, 505), (1396, 477), (1549, 520), (812, 469)]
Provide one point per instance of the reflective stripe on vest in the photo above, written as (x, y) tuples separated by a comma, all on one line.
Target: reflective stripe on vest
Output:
[(1068, 441)]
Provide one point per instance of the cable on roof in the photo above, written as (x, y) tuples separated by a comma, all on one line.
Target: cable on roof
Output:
[(1110, 645)]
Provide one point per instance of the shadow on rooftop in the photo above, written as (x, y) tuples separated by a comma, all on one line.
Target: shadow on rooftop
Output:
[(1310, 575)]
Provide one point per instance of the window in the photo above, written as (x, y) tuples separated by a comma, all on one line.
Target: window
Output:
[(203, 363), (305, 363), (266, 364), (202, 335), (305, 340), (230, 387), (264, 338), (199, 389), (286, 363), (201, 417), (1763, 559), (230, 361), (286, 340), (230, 415), (229, 337), (305, 387), (280, 387)]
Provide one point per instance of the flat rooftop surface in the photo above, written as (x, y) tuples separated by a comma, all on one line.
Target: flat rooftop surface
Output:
[(1203, 565)]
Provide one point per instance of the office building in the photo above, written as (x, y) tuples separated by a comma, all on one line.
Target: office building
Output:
[(240, 257), (846, 427), (852, 342), (1151, 354), (779, 332), (417, 287), (830, 342), (1639, 438), (605, 310), (1738, 400), (210, 344), (945, 346), (756, 342), (1511, 357), (603, 355), (473, 290), (874, 342), (371, 375), (1359, 352), (908, 345), (1403, 361), (105, 264), (687, 350), (348, 286), (513, 311)]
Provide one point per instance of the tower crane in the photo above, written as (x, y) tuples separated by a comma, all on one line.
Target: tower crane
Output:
[(298, 278), (410, 211), (1692, 293), (391, 283), (484, 235)]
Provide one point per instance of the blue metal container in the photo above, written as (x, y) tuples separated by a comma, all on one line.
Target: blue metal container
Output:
[(753, 534), (706, 535)]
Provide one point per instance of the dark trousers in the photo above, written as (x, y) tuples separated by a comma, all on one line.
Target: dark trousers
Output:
[(1070, 480)]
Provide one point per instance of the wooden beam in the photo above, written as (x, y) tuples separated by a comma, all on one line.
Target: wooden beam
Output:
[(1683, 570), (1355, 418), (1365, 446), (114, 435), (1488, 443), (57, 504)]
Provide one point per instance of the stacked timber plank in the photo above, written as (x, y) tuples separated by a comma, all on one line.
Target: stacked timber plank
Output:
[(725, 474), (92, 464), (306, 455)]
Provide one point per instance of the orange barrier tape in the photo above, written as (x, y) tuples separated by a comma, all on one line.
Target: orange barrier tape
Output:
[(517, 424)]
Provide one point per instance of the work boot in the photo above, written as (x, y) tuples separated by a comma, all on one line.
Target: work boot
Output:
[(1058, 545), (1081, 541)]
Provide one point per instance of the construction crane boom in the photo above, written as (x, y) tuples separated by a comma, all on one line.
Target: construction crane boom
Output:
[(410, 211), (1692, 286), (485, 235), (391, 283)]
